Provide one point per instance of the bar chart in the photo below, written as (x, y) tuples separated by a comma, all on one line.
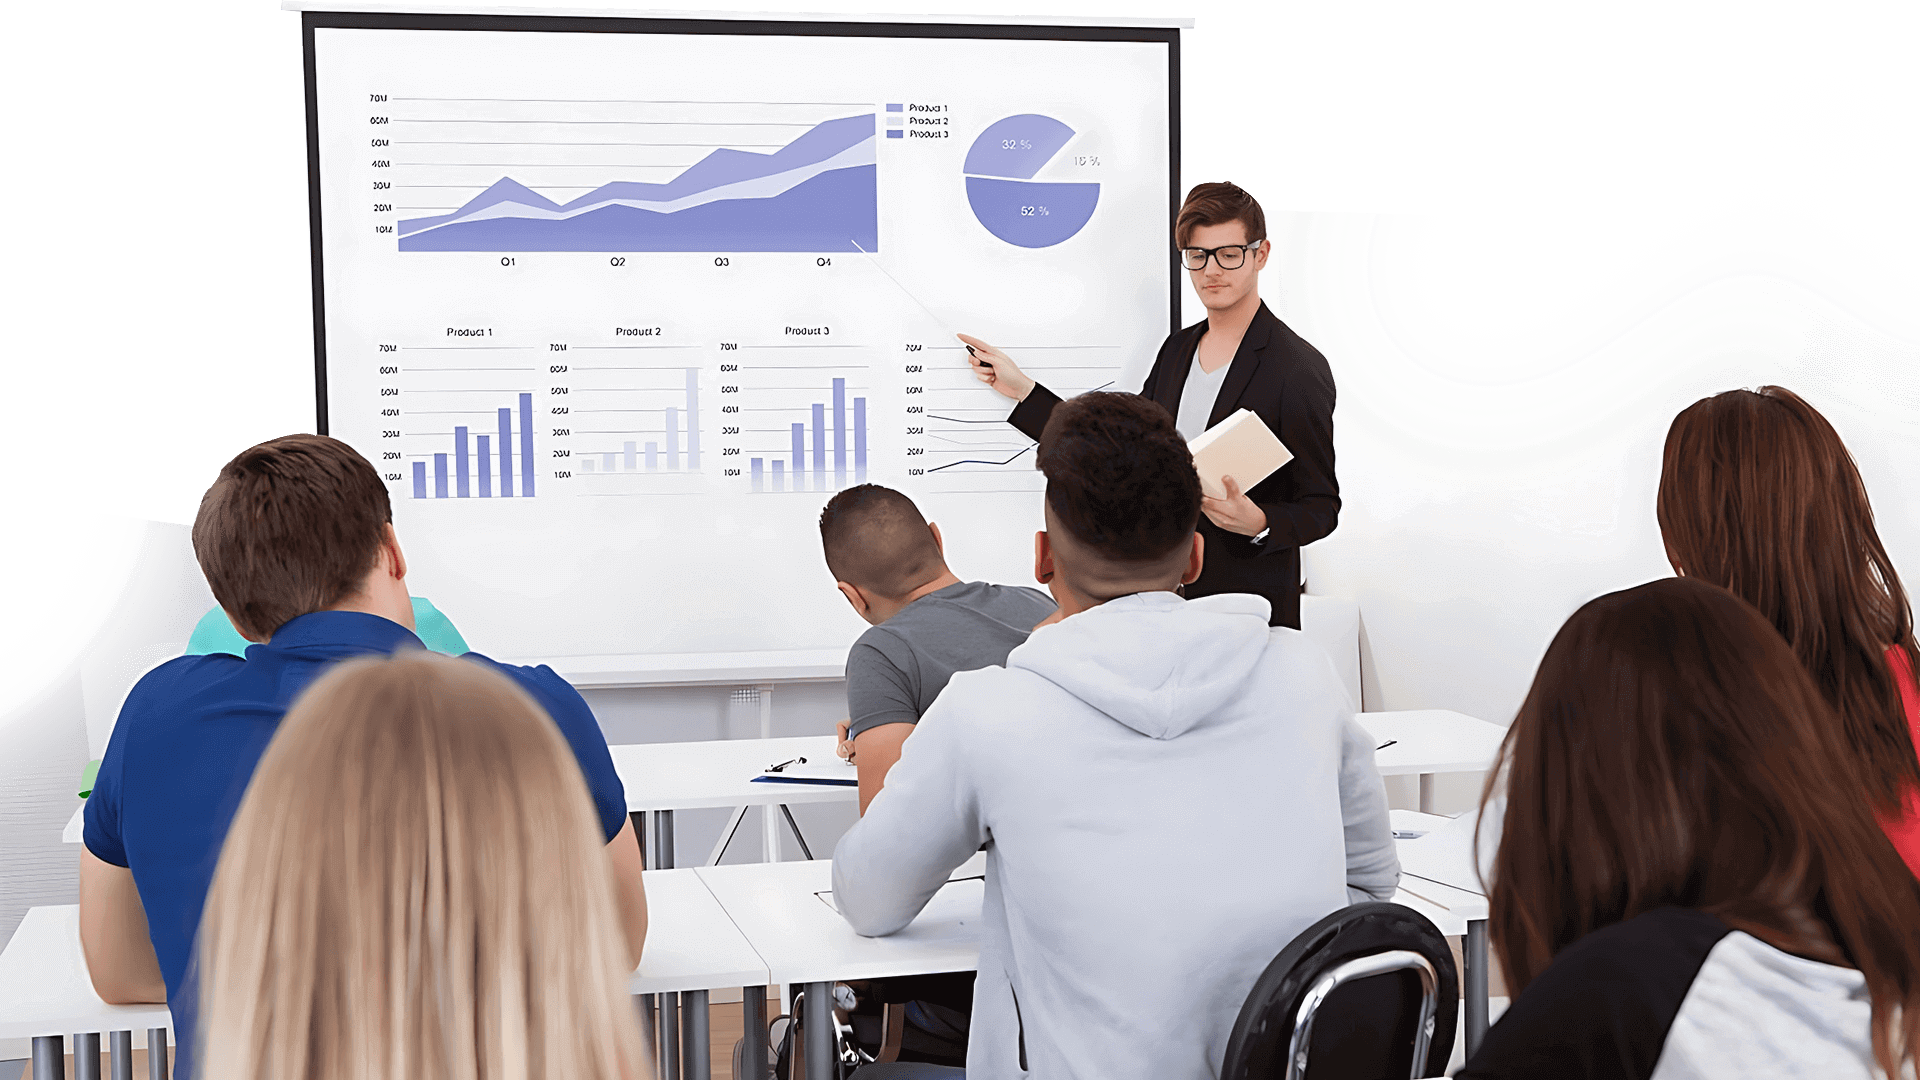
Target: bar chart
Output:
[(826, 446), (619, 400), (469, 469)]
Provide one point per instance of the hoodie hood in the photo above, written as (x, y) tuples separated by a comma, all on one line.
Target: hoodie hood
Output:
[(1153, 661)]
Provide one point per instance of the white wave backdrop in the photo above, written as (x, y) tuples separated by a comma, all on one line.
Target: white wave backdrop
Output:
[(1492, 485)]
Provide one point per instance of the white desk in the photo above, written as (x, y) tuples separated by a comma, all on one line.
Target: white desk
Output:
[(663, 777), (692, 947), (698, 775), (76, 825), (1429, 741), (46, 994), (802, 938)]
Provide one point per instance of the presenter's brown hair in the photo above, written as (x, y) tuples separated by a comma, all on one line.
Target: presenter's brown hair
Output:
[(1759, 495), (416, 885), (290, 526), (1671, 752), (1217, 204)]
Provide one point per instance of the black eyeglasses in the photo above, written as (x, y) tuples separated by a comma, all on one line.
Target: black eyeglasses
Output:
[(1230, 257)]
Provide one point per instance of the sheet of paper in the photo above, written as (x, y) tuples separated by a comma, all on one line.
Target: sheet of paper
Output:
[(1446, 854)]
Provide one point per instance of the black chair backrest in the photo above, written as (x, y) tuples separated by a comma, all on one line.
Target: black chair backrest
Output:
[(1358, 995)]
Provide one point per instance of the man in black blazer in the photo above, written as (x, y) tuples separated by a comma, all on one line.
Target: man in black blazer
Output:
[(1241, 357)]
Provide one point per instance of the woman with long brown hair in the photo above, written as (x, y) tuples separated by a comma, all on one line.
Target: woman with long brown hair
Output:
[(416, 886), (1686, 883), (1759, 495)]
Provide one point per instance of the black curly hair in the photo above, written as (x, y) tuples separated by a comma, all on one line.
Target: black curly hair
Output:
[(1119, 476)]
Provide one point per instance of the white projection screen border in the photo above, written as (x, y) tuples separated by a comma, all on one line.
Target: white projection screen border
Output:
[(615, 304)]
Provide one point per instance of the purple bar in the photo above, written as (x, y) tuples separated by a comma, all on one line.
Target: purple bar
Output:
[(629, 452), (839, 433), (819, 447), (606, 462), (799, 457), (526, 446), (756, 474), (486, 466), (779, 475), (693, 418), (859, 440), (439, 476), (419, 479), (506, 453), (653, 456), (673, 437), (461, 468)]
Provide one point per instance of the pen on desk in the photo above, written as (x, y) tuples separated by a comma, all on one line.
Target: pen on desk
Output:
[(1386, 744), (784, 764)]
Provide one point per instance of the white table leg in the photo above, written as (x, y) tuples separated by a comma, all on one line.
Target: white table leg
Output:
[(157, 1053), (1474, 952), (769, 822), (1426, 793), (120, 1054), (817, 1026), (49, 1057)]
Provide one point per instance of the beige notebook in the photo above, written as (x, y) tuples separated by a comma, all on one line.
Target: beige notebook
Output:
[(1241, 446)]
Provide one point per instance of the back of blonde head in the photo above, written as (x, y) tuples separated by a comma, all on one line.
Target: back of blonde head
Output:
[(416, 887)]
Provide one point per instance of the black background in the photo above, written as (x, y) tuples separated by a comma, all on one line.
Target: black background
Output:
[(164, 314)]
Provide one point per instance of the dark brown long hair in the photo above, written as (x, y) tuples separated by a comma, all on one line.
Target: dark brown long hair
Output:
[(1758, 494), (1671, 752)]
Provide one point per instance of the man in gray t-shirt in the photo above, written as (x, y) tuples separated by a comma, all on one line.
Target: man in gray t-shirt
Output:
[(888, 562)]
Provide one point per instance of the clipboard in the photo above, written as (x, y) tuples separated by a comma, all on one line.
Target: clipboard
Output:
[(830, 773)]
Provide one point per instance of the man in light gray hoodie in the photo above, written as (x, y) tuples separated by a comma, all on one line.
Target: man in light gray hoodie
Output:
[(1169, 790)]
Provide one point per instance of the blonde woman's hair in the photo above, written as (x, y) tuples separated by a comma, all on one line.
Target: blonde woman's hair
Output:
[(415, 887)]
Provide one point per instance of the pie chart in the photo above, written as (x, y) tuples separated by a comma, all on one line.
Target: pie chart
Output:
[(1005, 197)]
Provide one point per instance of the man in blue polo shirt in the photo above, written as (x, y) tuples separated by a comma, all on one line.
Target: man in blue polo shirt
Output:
[(296, 540)]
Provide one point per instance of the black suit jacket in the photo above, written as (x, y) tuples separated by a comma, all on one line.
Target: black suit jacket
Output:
[(1286, 382)]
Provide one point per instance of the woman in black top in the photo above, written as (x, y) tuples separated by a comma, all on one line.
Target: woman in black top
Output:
[(1242, 357), (1688, 885)]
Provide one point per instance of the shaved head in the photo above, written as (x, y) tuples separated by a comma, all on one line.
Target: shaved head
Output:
[(875, 538)]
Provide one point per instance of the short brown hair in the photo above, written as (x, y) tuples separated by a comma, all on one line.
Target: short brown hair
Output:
[(876, 538), (290, 526), (1759, 495), (1671, 753), (1217, 204), (1119, 476)]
